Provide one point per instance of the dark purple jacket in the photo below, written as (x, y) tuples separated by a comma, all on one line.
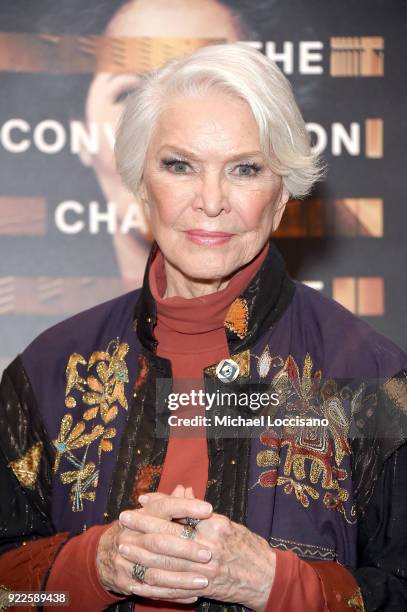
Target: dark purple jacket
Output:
[(88, 397)]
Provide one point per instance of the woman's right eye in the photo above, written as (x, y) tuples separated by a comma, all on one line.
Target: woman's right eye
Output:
[(177, 166)]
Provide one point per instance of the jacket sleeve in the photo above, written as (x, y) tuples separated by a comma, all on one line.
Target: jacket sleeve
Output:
[(379, 583), (382, 539), (28, 541), (296, 586), (380, 488), (75, 570), (33, 556)]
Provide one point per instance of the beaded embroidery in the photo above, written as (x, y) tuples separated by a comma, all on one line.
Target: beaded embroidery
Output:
[(237, 317), (305, 551), (313, 454), (100, 389), (356, 601), (26, 468)]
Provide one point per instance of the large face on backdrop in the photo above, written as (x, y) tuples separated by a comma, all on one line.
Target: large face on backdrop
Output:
[(209, 195), (105, 99)]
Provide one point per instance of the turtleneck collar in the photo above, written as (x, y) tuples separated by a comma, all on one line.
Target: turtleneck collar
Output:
[(202, 314), (258, 307)]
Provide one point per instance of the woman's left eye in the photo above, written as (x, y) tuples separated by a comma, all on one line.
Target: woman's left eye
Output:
[(248, 169)]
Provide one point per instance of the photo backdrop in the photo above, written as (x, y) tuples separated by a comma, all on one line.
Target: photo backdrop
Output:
[(71, 236)]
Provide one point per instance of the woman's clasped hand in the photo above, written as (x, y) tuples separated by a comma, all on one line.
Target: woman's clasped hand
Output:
[(220, 560)]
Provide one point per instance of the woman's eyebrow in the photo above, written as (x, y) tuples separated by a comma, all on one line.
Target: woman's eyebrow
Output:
[(185, 153)]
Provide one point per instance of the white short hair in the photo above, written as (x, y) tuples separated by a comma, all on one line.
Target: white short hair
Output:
[(237, 69)]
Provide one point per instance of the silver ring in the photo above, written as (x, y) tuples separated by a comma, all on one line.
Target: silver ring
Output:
[(188, 532), (192, 522), (138, 572)]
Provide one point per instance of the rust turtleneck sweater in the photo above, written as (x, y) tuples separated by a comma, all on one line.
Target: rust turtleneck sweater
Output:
[(191, 334)]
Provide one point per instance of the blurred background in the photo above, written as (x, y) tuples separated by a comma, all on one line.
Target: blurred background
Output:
[(71, 236)]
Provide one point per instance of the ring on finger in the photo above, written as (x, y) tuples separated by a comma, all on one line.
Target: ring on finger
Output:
[(192, 522), (138, 572), (188, 532)]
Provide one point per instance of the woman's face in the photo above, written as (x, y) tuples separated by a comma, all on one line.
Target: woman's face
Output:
[(210, 198)]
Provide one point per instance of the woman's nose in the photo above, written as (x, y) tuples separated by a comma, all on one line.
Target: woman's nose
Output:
[(212, 195)]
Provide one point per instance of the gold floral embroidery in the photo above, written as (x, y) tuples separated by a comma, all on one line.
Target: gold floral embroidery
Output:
[(100, 389), (26, 468), (356, 601), (243, 361), (82, 479), (105, 444), (266, 458), (108, 387), (313, 454), (335, 501), (74, 380), (69, 440), (237, 317), (302, 491)]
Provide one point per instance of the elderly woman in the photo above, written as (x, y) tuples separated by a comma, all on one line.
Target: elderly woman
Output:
[(283, 517)]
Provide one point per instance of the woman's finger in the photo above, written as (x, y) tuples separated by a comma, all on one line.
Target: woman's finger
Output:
[(174, 580), (135, 554), (179, 491), (153, 496), (145, 523), (155, 592), (168, 508), (155, 577), (164, 550), (190, 600)]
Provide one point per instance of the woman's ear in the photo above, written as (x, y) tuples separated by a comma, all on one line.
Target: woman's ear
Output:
[(280, 208)]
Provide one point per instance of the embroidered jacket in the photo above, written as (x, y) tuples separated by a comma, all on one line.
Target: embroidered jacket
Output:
[(80, 408)]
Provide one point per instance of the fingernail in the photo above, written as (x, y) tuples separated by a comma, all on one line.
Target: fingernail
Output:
[(205, 507), (143, 499), (124, 550), (202, 582), (204, 554), (125, 518)]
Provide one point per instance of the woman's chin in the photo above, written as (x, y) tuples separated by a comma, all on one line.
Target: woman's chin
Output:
[(205, 268), (203, 262)]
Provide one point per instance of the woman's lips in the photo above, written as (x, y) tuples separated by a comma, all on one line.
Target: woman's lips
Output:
[(208, 238)]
